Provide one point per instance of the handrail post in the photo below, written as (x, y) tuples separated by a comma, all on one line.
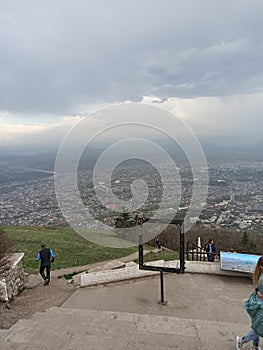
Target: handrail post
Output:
[(187, 250), (162, 289), (182, 260), (140, 250)]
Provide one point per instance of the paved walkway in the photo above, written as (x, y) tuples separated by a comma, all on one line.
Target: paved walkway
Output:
[(202, 312), (90, 267)]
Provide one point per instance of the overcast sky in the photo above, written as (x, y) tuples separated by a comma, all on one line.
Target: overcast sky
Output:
[(61, 59)]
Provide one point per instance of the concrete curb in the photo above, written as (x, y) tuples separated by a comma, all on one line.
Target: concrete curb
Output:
[(108, 276), (130, 272)]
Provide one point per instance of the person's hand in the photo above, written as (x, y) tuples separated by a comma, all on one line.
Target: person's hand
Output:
[(52, 260), (260, 295)]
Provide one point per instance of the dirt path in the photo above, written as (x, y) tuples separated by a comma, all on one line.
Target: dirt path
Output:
[(37, 297)]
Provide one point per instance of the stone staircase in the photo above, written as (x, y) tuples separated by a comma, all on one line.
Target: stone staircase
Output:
[(70, 329), (127, 316)]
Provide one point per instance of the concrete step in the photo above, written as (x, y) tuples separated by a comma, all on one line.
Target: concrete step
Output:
[(68, 329), (3, 334)]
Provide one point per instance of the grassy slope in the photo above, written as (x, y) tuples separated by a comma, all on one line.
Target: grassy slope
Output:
[(165, 255), (70, 249)]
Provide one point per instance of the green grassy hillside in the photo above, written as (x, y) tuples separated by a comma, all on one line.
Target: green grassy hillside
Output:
[(70, 249)]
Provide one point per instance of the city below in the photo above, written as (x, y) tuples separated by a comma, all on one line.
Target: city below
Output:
[(234, 199)]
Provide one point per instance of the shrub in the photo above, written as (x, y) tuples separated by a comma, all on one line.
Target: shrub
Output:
[(4, 252)]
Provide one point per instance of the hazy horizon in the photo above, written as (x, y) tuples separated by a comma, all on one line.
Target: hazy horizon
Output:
[(211, 148), (62, 61)]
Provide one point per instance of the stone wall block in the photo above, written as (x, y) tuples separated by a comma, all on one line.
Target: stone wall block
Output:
[(14, 280)]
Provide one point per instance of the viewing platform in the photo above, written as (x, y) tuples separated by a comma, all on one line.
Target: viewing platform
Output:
[(204, 310)]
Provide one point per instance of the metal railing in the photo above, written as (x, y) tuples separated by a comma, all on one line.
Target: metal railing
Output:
[(195, 253)]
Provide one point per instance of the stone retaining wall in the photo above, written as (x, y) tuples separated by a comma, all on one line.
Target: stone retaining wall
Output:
[(13, 281)]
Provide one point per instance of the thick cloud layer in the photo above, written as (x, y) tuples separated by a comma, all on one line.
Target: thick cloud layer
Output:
[(62, 58), (57, 56)]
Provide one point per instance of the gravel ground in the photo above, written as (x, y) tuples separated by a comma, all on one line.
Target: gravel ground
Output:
[(34, 298)]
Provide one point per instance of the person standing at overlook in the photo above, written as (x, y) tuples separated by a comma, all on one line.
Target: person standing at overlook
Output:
[(45, 256), (211, 250)]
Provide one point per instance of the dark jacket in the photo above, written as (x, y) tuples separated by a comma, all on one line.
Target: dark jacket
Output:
[(213, 248), (45, 255)]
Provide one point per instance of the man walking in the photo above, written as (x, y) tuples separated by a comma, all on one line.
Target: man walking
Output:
[(46, 256)]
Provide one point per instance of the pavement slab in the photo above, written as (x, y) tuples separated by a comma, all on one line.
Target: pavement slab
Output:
[(202, 312)]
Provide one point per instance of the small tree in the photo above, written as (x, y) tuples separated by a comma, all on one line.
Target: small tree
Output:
[(246, 243), (122, 220), (4, 252)]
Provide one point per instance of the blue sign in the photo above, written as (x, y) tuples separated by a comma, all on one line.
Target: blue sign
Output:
[(238, 262)]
